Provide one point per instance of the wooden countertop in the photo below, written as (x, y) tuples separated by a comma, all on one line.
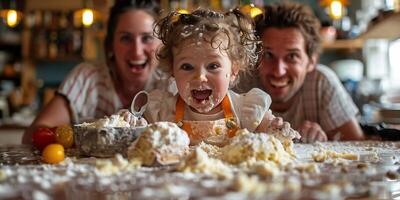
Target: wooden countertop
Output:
[(78, 179)]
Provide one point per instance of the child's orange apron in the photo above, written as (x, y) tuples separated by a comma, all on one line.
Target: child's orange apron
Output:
[(214, 132)]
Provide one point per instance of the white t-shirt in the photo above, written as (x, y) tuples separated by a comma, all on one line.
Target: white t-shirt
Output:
[(321, 99), (91, 93)]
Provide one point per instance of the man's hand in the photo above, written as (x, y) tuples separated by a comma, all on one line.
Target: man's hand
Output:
[(311, 132)]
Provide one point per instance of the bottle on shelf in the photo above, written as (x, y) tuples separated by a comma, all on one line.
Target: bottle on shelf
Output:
[(56, 36), (53, 47)]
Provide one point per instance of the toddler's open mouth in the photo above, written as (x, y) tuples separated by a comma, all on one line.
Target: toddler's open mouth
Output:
[(201, 96)]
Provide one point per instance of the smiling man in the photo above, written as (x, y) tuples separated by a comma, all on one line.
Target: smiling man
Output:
[(307, 95)]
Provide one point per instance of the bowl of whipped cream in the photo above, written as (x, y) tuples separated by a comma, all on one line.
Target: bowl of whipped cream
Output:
[(108, 136)]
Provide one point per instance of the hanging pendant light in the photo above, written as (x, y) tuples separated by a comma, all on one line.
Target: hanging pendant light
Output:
[(12, 17), (182, 11), (251, 10), (85, 16), (336, 9)]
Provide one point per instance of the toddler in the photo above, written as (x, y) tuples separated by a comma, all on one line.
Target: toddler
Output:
[(204, 51)]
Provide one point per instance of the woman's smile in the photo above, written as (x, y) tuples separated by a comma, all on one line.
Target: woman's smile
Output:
[(137, 66)]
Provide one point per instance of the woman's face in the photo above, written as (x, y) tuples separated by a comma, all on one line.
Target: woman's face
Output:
[(134, 47)]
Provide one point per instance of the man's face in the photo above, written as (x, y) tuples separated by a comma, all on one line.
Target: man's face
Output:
[(284, 64)]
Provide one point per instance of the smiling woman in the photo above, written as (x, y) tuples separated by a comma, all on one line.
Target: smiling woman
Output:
[(93, 91)]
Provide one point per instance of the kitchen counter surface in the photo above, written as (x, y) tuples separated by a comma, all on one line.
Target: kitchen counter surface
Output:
[(374, 175)]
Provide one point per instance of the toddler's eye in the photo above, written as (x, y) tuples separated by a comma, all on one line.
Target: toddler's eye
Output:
[(213, 66), (186, 67)]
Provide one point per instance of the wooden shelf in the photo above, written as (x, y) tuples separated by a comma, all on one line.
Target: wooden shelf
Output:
[(15, 78), (386, 28), (5, 43), (343, 44), (102, 5), (68, 58)]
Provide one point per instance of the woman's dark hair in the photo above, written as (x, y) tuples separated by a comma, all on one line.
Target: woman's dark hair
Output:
[(292, 15), (120, 7)]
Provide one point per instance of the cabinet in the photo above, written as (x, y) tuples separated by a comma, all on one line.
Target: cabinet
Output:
[(47, 43), (51, 35), (343, 44), (385, 28), (55, 40), (10, 54), (53, 31)]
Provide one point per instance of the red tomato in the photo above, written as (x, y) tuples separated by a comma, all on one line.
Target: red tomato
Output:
[(53, 129), (43, 137)]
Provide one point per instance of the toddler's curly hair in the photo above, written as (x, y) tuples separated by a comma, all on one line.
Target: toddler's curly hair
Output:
[(243, 46)]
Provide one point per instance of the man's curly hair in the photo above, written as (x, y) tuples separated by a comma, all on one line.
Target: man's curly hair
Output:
[(243, 46), (292, 15)]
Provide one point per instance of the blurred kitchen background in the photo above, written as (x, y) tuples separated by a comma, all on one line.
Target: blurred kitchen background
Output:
[(42, 40)]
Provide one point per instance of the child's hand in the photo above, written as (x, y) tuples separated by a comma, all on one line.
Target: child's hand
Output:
[(311, 132), (278, 127), (276, 123), (132, 119)]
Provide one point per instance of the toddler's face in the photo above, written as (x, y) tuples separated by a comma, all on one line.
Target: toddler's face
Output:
[(202, 74)]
